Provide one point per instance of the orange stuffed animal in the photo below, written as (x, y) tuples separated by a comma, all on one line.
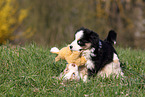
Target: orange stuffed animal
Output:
[(68, 55)]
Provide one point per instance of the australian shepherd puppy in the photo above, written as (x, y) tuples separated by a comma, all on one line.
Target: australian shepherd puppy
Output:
[(101, 56)]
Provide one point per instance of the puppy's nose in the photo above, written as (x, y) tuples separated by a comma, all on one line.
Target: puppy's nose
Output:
[(70, 47)]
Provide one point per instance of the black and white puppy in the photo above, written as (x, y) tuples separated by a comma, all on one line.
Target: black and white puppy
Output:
[(101, 56)]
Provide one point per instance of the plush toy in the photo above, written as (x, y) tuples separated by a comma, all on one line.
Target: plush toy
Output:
[(70, 56), (75, 68), (73, 72)]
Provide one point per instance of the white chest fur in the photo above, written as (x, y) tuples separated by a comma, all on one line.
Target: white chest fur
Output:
[(87, 54)]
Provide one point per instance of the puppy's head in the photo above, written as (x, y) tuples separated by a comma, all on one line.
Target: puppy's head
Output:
[(84, 39)]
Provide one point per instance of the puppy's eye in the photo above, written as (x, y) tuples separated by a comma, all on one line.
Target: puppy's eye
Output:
[(81, 43)]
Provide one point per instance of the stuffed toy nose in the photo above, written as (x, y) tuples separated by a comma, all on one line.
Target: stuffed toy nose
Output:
[(70, 47)]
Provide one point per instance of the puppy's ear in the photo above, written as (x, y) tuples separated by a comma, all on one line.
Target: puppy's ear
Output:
[(111, 38), (94, 38)]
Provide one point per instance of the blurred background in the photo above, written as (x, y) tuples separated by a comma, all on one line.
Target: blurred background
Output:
[(54, 22)]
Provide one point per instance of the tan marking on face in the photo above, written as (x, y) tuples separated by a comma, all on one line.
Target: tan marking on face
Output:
[(88, 45), (78, 39)]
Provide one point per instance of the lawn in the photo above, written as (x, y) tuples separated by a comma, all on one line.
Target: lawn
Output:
[(30, 71)]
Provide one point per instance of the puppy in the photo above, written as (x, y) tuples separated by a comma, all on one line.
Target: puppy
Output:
[(102, 59)]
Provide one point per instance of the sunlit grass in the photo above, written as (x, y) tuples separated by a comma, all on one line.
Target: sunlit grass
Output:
[(30, 71)]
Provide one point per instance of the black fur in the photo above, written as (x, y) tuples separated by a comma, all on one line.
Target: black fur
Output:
[(94, 37), (104, 50), (111, 38)]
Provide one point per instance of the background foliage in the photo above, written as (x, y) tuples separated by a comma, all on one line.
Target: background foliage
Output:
[(30, 70), (55, 21), (11, 19)]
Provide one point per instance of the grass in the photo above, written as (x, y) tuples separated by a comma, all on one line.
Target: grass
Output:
[(29, 71)]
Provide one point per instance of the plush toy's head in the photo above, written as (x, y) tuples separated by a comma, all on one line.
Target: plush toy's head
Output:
[(65, 52), (62, 54), (71, 72), (68, 55)]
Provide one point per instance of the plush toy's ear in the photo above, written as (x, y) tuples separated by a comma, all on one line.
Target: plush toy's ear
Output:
[(54, 50)]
